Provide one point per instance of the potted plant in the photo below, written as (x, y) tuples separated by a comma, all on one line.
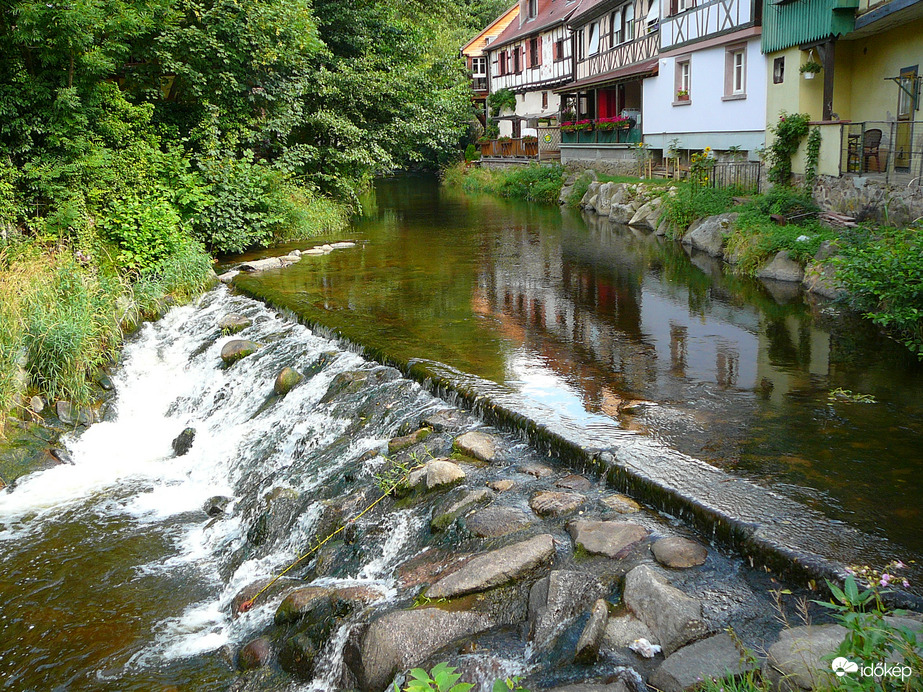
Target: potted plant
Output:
[(568, 131), (810, 68), (506, 145), (682, 95), (584, 130), (530, 145)]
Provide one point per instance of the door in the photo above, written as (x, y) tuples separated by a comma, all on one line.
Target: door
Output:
[(907, 103)]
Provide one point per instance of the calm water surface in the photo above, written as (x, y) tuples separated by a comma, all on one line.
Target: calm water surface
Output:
[(586, 317)]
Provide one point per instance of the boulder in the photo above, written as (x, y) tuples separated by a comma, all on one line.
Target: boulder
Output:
[(618, 679), (216, 506), (604, 199), (255, 654), (715, 657), (436, 474), (679, 553), (228, 277), (396, 444), (574, 482), (286, 381), (621, 503), (400, 640), (559, 598), (621, 213), (782, 268), (233, 323), (261, 265), (549, 503), (623, 630), (494, 521), (236, 349), (104, 381), (182, 443), (609, 538), (820, 278), (593, 633), (513, 562), (279, 587), (648, 215), (501, 486), (69, 414), (37, 404), (302, 603), (674, 618), (537, 470), (708, 234), (479, 445), (343, 244), (797, 660), (448, 512), (448, 420)]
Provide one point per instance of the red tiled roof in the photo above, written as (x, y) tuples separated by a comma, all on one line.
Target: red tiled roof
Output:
[(550, 13), (589, 8)]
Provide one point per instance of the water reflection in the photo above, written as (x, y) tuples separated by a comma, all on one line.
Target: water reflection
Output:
[(590, 318)]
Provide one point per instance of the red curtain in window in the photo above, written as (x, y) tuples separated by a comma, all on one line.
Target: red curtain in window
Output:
[(608, 103)]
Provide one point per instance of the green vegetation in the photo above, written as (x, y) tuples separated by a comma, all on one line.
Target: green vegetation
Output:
[(787, 136), (442, 678), (882, 271), (692, 202), (533, 182), (498, 100)]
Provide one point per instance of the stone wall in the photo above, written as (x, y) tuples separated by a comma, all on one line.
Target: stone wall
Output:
[(870, 199)]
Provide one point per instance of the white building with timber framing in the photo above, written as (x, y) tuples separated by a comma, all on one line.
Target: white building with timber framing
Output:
[(530, 58), (710, 86)]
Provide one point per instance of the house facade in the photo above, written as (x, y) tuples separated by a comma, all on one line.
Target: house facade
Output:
[(476, 59), (865, 94), (710, 85), (616, 44), (530, 58)]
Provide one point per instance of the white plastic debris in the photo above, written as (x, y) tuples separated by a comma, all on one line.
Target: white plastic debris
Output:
[(802, 239), (644, 648)]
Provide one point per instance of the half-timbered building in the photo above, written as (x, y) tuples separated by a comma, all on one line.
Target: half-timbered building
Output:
[(530, 58), (476, 60), (709, 89)]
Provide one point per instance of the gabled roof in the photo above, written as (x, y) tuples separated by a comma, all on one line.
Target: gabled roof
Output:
[(476, 45), (590, 8), (550, 13)]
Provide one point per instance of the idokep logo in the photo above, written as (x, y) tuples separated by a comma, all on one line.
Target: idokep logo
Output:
[(841, 666)]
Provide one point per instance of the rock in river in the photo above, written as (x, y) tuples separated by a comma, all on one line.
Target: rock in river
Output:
[(479, 445), (494, 521), (679, 553), (236, 349), (673, 617), (609, 538), (286, 380), (549, 503)]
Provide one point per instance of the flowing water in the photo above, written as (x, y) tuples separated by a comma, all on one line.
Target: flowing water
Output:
[(583, 317)]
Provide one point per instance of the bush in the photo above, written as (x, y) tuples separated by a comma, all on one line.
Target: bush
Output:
[(788, 133), (532, 183), (884, 276), (693, 202), (471, 153), (184, 274), (146, 230)]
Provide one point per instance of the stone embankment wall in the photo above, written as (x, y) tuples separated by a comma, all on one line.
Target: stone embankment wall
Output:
[(641, 206), (866, 198)]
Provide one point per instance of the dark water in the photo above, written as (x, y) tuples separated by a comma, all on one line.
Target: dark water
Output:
[(587, 317)]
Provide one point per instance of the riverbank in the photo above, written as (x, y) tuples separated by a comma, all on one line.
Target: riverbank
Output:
[(876, 271)]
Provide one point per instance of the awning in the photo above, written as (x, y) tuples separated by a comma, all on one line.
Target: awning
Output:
[(636, 71), (527, 116)]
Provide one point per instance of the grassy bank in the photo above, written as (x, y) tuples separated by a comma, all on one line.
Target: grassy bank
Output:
[(532, 182)]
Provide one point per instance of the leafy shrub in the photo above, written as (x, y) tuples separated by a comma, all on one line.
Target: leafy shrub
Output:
[(788, 133), (471, 153), (884, 277), (693, 202), (180, 276), (442, 678), (146, 230), (532, 183), (578, 190)]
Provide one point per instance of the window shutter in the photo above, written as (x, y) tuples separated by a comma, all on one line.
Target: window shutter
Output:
[(674, 7), (527, 54), (539, 53)]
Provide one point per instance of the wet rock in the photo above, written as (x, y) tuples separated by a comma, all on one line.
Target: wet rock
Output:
[(342, 244), (279, 587), (493, 522), (782, 268), (621, 213), (820, 278), (297, 654), (290, 259), (593, 633), (537, 470), (61, 455), (648, 215), (182, 443), (623, 630), (216, 506), (400, 640), (69, 414), (448, 420), (797, 660), (398, 443), (430, 566), (609, 538), (501, 486), (233, 323), (438, 473), (261, 265), (714, 657), (358, 596), (621, 680), (559, 598), (104, 381), (498, 567), (574, 482), (621, 503), (302, 603), (255, 654), (709, 234), (673, 617), (286, 380), (236, 349), (314, 251), (549, 503), (228, 277), (37, 404), (679, 553), (448, 512), (479, 445)]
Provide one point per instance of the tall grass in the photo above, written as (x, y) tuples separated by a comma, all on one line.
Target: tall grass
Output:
[(531, 183)]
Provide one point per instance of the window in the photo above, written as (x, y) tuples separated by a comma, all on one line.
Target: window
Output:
[(581, 49), (594, 38), (908, 94), (778, 70), (677, 6), (544, 100), (559, 49), (504, 64), (535, 52), (615, 28), (683, 80), (478, 67), (533, 8), (517, 59), (735, 72), (628, 22)]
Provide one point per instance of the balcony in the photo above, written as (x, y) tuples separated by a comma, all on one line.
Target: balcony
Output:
[(479, 83), (517, 148)]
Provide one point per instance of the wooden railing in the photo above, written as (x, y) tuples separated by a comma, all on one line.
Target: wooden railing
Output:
[(515, 148)]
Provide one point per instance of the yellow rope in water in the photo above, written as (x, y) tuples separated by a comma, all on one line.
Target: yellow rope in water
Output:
[(247, 605)]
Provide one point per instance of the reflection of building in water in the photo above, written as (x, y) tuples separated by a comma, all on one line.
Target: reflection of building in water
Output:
[(727, 365)]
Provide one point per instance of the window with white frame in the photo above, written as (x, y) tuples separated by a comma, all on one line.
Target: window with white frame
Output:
[(533, 8), (615, 28), (628, 22), (478, 67), (735, 71), (593, 47), (581, 49), (683, 79)]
